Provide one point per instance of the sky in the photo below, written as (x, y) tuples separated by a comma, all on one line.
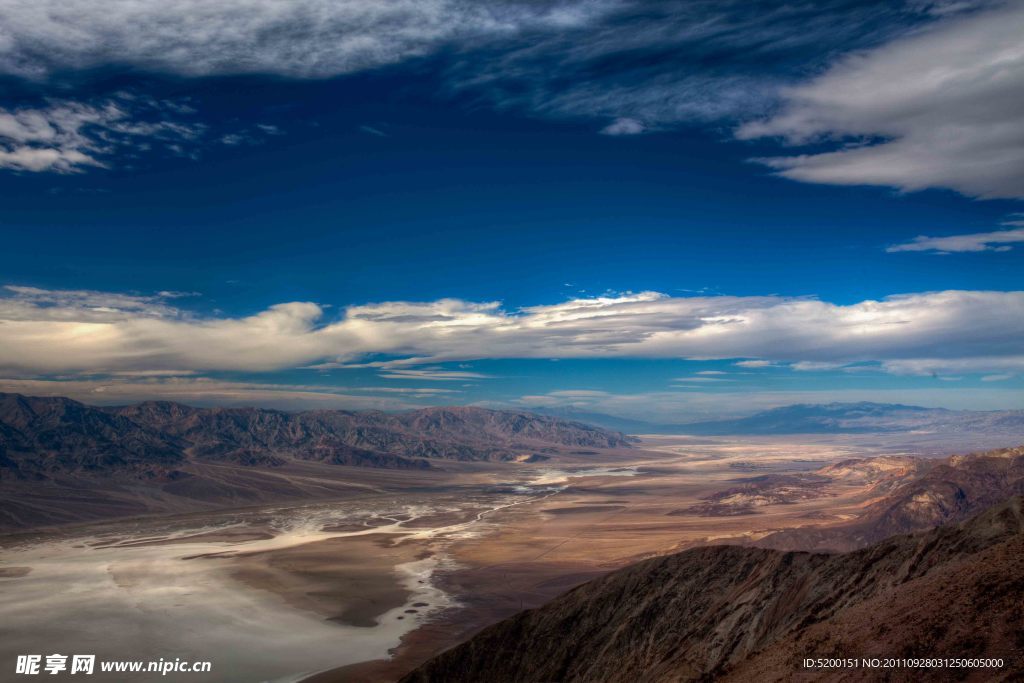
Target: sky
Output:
[(657, 210)]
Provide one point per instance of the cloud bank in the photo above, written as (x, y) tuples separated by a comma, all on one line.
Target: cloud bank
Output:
[(939, 108), (73, 333)]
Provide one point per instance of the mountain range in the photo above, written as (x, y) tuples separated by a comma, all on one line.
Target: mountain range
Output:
[(830, 418), (43, 436), (62, 461)]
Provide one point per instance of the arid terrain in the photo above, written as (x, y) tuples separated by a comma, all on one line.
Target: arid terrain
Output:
[(739, 614), (511, 341), (381, 568)]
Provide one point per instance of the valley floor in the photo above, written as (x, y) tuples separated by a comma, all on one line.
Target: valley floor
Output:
[(367, 587)]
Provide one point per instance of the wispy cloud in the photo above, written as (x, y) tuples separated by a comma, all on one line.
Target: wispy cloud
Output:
[(84, 305), (88, 332), (703, 379), (938, 365), (755, 363), (419, 392), (633, 67), (937, 108), (68, 137), (624, 126), (207, 391), (999, 240), (255, 135), (301, 38), (656, 65), (815, 366), (433, 374), (637, 65)]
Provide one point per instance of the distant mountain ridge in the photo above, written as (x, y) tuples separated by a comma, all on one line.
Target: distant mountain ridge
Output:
[(828, 418), (739, 614), (41, 436), (620, 424), (812, 418)]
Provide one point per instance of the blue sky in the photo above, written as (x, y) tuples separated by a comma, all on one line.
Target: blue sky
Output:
[(666, 210)]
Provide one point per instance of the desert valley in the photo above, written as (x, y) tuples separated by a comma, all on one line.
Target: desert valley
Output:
[(307, 547), (512, 341)]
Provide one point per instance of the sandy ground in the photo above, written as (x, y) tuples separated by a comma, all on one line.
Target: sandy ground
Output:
[(601, 522), (364, 589)]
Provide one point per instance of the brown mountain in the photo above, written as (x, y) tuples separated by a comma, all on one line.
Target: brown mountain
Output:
[(63, 461), (742, 614), (916, 494), (40, 437), (449, 433)]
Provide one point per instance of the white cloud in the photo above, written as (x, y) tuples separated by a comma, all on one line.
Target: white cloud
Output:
[(937, 108), (815, 366), (417, 392), (433, 374), (755, 363), (702, 379), (624, 126), (664, 64), (82, 304), (999, 240), (939, 366), (578, 393), (407, 368), (659, 64), (606, 60), (93, 332), (68, 137), (997, 378), (300, 38)]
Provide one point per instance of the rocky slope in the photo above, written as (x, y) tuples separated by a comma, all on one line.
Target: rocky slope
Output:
[(740, 613), (42, 437), (914, 494)]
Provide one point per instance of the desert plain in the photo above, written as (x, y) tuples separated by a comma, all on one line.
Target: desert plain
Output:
[(365, 586)]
